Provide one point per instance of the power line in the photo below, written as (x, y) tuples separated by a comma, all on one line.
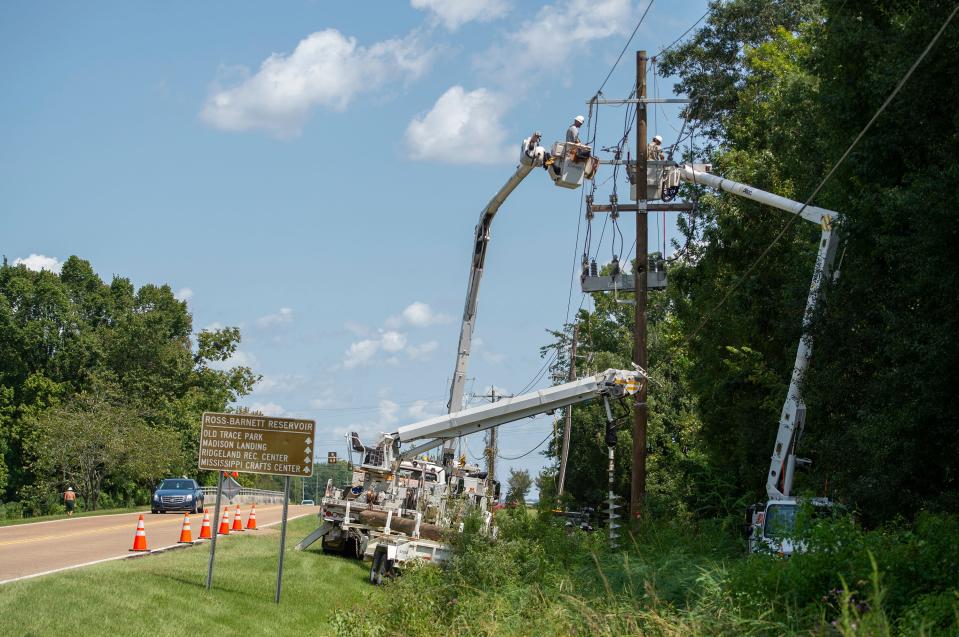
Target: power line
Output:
[(832, 171), (676, 41), (548, 436), (616, 63)]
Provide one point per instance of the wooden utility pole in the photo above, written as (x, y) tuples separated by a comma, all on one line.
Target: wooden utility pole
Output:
[(569, 416), (638, 482), (491, 449)]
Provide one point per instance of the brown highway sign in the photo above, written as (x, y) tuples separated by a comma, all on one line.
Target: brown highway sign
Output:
[(256, 444)]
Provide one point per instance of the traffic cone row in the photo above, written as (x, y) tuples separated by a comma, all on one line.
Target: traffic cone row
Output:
[(206, 530)]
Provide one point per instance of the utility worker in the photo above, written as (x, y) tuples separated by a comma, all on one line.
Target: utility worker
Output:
[(572, 133), (654, 150), (70, 500)]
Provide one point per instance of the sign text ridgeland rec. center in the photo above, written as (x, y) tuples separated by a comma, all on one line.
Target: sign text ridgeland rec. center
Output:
[(256, 444)]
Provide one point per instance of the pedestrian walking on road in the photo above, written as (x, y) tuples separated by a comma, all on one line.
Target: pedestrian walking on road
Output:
[(70, 499)]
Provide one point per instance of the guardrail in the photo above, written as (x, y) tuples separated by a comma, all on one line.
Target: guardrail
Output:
[(246, 495)]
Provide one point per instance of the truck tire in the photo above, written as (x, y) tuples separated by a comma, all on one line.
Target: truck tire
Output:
[(378, 567)]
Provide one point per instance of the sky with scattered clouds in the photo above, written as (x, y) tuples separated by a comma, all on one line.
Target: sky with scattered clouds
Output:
[(312, 172)]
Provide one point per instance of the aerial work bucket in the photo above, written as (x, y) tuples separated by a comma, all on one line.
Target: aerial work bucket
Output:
[(572, 162)]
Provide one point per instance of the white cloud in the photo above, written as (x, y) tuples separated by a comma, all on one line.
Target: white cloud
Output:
[(270, 409), (421, 352), (557, 32), (392, 341), (240, 358), (418, 314), (361, 353), (357, 329), (494, 358), (37, 262), (462, 128), (455, 13), (327, 69), (184, 294), (285, 315), (422, 409), (280, 383)]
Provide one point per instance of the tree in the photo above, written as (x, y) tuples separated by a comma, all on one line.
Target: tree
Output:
[(518, 486), (91, 438)]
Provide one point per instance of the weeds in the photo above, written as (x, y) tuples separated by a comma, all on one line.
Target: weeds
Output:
[(676, 579)]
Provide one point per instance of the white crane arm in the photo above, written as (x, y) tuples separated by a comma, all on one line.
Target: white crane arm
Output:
[(783, 462), (612, 382), (814, 214)]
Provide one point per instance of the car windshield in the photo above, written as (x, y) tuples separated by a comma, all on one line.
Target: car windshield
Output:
[(177, 484), (780, 521)]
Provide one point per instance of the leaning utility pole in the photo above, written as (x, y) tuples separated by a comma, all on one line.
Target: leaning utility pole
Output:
[(569, 416), (638, 482), (491, 448)]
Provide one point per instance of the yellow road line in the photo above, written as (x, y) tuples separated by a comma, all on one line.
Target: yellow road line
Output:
[(99, 529)]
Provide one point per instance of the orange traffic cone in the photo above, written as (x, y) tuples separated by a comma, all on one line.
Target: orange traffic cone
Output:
[(140, 539), (237, 522), (225, 522), (186, 535), (251, 521), (206, 531)]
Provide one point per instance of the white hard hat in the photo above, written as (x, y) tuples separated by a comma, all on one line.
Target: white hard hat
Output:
[(69, 488), (579, 119), (658, 138)]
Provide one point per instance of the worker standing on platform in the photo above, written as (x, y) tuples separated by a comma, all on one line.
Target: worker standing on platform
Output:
[(572, 133), (654, 150)]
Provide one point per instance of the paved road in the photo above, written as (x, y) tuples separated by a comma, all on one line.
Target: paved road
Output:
[(31, 549)]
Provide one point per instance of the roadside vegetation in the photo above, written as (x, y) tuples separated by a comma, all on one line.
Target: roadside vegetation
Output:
[(676, 577), (11, 514), (165, 594)]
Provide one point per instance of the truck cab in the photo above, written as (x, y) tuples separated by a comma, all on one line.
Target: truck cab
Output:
[(772, 527)]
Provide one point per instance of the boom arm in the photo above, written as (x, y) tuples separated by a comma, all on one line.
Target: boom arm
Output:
[(791, 420), (436, 430)]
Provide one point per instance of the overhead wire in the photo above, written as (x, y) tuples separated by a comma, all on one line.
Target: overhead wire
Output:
[(684, 34), (626, 46), (902, 81), (523, 455)]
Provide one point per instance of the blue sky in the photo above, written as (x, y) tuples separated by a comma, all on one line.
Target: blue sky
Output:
[(312, 172)]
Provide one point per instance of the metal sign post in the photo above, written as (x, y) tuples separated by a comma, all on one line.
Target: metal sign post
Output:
[(279, 572), (216, 529)]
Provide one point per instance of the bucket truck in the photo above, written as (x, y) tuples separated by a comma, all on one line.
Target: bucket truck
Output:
[(771, 524), (398, 507)]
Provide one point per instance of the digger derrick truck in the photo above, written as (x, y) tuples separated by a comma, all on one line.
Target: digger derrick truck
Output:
[(434, 485), (398, 505), (771, 525)]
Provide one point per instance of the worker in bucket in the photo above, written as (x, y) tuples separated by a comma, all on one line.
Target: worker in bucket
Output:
[(654, 150), (572, 133)]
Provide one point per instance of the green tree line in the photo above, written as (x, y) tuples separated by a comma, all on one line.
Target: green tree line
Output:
[(780, 89), (102, 386)]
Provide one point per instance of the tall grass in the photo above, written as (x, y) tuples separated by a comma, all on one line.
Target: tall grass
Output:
[(677, 579)]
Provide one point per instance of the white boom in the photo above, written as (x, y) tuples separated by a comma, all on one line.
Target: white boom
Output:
[(612, 382), (783, 462), (531, 156)]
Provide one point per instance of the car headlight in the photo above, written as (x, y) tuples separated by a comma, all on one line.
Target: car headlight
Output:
[(156, 497), (189, 497)]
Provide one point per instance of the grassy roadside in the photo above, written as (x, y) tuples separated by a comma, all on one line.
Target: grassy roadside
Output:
[(164, 594), (64, 516)]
